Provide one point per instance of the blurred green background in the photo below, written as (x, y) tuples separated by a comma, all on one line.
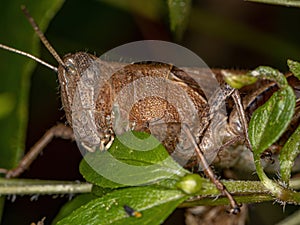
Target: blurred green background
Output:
[(226, 34)]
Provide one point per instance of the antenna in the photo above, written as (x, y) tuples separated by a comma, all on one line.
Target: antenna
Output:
[(42, 38), (29, 56)]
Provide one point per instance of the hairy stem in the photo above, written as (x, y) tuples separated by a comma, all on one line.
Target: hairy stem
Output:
[(31, 187), (244, 191)]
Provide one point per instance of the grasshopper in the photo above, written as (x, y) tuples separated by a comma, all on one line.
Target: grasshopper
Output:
[(143, 113)]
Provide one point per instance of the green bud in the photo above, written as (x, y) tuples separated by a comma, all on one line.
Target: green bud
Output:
[(190, 184), (238, 80)]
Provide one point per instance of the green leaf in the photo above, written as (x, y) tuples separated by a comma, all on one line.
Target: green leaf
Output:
[(267, 124), (154, 205), (179, 11), (268, 73), (294, 68), (126, 166), (295, 3), (7, 104), (270, 120), (72, 205), (15, 71), (288, 154)]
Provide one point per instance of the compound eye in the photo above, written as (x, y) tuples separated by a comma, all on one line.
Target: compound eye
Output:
[(70, 67)]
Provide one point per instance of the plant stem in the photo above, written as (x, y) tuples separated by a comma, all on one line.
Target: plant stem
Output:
[(281, 193), (220, 200), (31, 187), (244, 191)]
